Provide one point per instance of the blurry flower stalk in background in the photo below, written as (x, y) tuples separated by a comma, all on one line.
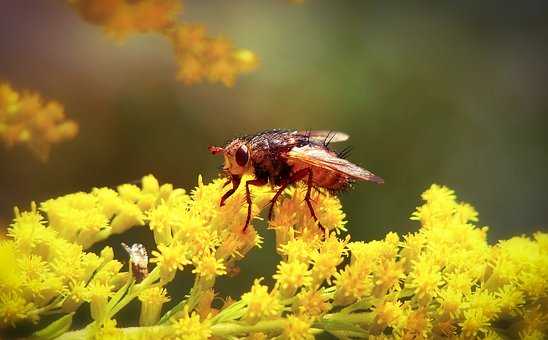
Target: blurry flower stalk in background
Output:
[(200, 57), (27, 119)]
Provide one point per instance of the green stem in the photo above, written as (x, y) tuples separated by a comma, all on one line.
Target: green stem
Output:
[(191, 301), (335, 323), (354, 318), (230, 328), (134, 292), (55, 328)]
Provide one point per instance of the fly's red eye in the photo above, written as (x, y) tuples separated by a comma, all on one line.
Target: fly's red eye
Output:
[(242, 156)]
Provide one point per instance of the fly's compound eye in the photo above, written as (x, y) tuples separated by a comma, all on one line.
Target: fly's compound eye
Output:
[(242, 155)]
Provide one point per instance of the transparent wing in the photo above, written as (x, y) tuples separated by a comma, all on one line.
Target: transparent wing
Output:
[(322, 158)]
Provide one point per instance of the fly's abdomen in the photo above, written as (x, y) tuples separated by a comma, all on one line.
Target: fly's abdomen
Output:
[(324, 178), (330, 180)]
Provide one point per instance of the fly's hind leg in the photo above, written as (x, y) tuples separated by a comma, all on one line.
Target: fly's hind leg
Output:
[(308, 201), (256, 182), (297, 176), (275, 198)]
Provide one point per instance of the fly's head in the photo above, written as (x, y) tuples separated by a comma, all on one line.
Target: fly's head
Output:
[(237, 157)]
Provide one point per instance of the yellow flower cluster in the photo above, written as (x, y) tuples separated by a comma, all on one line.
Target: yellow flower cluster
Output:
[(120, 18), (26, 118), (200, 57), (43, 273), (444, 280)]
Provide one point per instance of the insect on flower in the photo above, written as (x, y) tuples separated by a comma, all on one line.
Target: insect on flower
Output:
[(138, 259), (284, 157)]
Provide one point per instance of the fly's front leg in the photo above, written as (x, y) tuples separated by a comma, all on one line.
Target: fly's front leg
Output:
[(256, 182), (235, 184)]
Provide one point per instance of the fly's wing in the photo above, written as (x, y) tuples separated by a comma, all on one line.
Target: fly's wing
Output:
[(322, 158), (324, 136)]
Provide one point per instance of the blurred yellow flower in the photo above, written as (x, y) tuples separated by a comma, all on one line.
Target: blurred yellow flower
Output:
[(199, 57), (26, 118), (120, 18)]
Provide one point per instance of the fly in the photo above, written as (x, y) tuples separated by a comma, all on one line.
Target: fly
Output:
[(285, 157)]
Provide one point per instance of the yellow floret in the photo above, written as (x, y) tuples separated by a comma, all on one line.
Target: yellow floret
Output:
[(425, 279), (208, 267), (13, 308), (260, 303), (297, 328), (170, 259), (292, 275), (152, 300), (190, 327), (475, 322)]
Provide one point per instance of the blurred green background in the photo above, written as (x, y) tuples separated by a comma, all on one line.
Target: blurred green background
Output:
[(443, 92)]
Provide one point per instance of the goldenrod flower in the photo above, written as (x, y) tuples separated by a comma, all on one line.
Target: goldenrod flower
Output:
[(170, 259), (297, 328), (325, 260), (109, 331), (352, 283), (484, 301), (387, 277), (510, 299), (260, 304), (292, 275), (152, 300), (13, 308), (289, 213), (298, 250), (312, 303), (417, 325), (208, 267), (190, 327), (475, 322), (388, 314), (444, 280), (425, 278), (450, 302), (97, 295)]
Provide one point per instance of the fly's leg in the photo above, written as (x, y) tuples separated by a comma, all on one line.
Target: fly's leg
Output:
[(235, 184), (256, 182), (309, 203), (275, 198), (297, 176)]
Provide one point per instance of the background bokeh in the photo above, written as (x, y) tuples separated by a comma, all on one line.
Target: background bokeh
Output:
[(450, 92)]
